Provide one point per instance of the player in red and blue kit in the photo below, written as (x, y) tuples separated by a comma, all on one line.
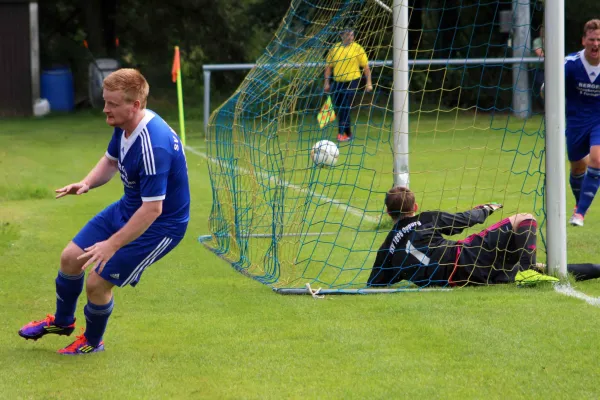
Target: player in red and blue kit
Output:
[(582, 91), (124, 239)]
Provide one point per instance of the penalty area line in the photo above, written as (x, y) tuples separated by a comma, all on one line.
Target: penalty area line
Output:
[(344, 207), (567, 290)]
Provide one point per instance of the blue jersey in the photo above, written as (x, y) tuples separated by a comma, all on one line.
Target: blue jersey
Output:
[(582, 92), (153, 167)]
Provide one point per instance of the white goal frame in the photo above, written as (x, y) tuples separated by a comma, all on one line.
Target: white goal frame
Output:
[(555, 185), (554, 98)]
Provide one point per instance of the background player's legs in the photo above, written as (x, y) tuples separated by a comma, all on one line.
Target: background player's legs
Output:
[(69, 284), (578, 149), (525, 238), (591, 181), (349, 94), (99, 307), (576, 176), (338, 101), (342, 101), (344, 114)]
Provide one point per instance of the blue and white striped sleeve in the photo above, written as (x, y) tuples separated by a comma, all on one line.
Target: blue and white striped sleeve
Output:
[(155, 163)]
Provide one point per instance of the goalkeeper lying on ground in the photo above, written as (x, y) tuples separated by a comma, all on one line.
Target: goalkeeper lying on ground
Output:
[(416, 250)]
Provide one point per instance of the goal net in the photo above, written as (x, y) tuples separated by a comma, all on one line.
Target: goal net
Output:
[(285, 221)]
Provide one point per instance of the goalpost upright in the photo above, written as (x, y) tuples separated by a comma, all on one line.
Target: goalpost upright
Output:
[(400, 95), (554, 90)]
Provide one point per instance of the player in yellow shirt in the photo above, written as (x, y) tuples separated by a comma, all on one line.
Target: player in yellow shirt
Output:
[(344, 63)]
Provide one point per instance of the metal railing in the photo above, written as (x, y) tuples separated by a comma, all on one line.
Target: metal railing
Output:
[(209, 68)]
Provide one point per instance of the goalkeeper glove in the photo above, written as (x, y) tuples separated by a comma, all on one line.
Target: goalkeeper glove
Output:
[(490, 207)]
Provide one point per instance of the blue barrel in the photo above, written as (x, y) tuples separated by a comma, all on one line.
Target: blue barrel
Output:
[(57, 86)]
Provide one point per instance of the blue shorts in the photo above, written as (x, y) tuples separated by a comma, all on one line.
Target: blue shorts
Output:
[(129, 262), (580, 140)]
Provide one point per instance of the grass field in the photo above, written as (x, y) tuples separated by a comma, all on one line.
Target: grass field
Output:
[(195, 328)]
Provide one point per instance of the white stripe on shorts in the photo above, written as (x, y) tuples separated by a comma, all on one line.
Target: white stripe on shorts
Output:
[(149, 263), (148, 260)]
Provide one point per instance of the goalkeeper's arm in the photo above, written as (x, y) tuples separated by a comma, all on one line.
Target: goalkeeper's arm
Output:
[(452, 224)]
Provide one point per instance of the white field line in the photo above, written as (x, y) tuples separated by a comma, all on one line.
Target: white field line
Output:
[(344, 207), (568, 290)]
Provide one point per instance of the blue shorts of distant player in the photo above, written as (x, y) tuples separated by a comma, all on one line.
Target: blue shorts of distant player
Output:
[(129, 262), (580, 139)]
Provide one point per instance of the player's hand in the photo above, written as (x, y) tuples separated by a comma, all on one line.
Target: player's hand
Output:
[(73, 188), (326, 87), (494, 206), (491, 207), (98, 254), (369, 88)]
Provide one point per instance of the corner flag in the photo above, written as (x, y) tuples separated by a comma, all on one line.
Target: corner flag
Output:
[(176, 75), (327, 113)]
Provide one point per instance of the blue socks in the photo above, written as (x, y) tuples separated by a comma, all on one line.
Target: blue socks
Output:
[(68, 289), (576, 181), (588, 190), (97, 319)]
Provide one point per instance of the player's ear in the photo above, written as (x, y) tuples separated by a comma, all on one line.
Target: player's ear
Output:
[(416, 207), (137, 104)]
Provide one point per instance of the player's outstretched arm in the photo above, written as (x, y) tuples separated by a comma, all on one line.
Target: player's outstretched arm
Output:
[(490, 207), (453, 224), (98, 176)]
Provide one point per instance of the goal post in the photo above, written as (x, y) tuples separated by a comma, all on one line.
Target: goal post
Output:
[(401, 93), (442, 78), (554, 88)]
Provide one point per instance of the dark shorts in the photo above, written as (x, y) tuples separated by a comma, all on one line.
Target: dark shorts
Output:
[(580, 140), (129, 262), (487, 257)]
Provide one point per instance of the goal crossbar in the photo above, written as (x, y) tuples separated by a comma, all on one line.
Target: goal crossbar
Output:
[(209, 68)]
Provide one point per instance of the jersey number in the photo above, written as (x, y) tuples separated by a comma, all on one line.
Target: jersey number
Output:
[(410, 249)]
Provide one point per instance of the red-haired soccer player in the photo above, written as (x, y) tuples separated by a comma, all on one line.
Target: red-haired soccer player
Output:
[(129, 235)]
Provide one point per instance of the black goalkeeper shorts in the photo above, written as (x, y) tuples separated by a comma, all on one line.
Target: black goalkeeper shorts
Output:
[(487, 257)]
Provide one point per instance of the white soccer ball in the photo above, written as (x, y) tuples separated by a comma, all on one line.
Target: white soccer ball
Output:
[(325, 153)]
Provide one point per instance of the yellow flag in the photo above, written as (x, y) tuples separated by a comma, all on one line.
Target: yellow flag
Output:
[(327, 113)]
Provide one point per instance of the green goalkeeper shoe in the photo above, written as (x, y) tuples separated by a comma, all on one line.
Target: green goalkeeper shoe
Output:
[(530, 277)]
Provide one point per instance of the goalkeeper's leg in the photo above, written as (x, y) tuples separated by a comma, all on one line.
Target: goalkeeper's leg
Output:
[(496, 254), (524, 239), (581, 272)]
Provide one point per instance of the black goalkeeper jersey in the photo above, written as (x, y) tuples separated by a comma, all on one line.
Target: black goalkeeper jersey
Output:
[(416, 249)]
